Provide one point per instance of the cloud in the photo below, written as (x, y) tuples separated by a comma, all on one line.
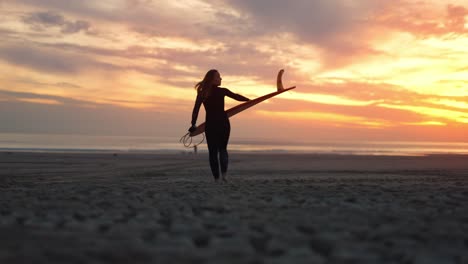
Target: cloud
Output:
[(39, 20), (237, 59), (36, 113), (334, 27), (109, 120), (152, 18), (67, 85), (150, 103), (39, 59), (35, 83), (337, 29), (75, 7), (316, 21), (388, 104), (456, 18), (137, 3), (48, 60), (422, 21), (45, 18), (59, 99), (39, 101), (74, 27)]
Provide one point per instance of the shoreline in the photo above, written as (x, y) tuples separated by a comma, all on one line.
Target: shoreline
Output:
[(188, 151), (147, 144)]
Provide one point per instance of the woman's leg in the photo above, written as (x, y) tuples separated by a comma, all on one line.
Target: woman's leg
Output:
[(213, 146), (223, 154)]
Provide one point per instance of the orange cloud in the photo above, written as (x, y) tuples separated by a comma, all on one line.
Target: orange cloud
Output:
[(450, 115), (327, 118), (40, 101)]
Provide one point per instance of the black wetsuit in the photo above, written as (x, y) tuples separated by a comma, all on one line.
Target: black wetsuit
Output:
[(217, 128)]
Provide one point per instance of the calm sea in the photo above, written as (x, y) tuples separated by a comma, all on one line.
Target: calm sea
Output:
[(87, 143)]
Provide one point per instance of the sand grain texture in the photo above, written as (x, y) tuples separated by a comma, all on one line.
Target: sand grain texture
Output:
[(277, 208)]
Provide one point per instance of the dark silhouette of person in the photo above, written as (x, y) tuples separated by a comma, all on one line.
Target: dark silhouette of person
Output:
[(217, 128)]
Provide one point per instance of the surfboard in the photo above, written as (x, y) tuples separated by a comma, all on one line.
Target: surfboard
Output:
[(244, 106)]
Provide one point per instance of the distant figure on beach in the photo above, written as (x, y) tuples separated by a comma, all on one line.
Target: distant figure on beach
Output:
[(218, 127)]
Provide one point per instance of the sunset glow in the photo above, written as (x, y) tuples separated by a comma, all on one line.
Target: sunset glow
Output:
[(376, 67)]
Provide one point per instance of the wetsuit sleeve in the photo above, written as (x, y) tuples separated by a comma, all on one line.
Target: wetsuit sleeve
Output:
[(196, 109), (234, 96)]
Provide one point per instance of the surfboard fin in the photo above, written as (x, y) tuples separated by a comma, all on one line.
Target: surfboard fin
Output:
[(279, 80)]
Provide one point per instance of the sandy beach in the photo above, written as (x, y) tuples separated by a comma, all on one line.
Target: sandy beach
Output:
[(276, 208)]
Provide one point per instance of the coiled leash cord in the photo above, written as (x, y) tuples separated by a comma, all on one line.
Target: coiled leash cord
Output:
[(187, 140)]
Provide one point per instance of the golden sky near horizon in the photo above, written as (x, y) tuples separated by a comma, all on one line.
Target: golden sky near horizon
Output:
[(375, 67)]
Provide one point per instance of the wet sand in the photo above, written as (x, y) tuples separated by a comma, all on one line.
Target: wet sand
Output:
[(277, 208)]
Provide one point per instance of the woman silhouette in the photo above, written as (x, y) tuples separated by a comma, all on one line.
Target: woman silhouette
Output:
[(217, 128)]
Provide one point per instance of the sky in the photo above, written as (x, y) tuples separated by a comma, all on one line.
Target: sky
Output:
[(364, 70)]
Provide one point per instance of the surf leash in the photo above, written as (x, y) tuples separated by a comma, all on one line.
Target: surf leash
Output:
[(187, 140)]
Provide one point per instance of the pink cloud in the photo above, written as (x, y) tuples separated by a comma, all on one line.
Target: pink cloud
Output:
[(423, 21)]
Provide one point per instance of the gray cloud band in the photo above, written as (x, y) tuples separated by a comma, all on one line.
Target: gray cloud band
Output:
[(40, 20)]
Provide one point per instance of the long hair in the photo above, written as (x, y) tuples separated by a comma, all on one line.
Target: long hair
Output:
[(205, 86)]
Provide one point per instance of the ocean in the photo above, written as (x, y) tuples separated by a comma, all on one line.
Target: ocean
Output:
[(91, 143)]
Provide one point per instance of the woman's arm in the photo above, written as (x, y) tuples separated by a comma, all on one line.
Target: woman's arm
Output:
[(196, 108), (237, 97)]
